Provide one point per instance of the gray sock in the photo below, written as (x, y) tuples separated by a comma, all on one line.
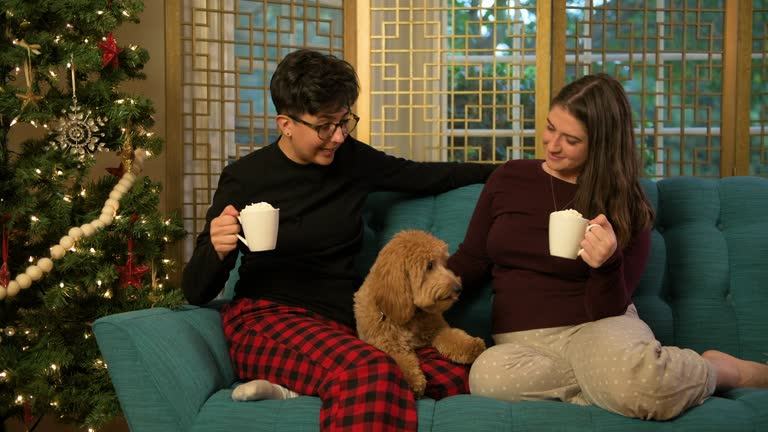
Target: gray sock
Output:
[(260, 390)]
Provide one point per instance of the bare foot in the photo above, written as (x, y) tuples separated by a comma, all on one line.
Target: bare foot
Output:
[(734, 372)]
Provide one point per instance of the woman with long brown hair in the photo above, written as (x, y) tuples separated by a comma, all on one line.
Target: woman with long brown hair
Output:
[(566, 329)]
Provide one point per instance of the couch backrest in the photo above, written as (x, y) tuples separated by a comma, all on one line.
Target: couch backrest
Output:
[(706, 283)]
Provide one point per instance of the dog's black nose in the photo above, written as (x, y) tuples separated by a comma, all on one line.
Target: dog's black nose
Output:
[(457, 289)]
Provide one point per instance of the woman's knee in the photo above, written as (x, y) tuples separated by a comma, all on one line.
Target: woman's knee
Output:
[(489, 372), (515, 372)]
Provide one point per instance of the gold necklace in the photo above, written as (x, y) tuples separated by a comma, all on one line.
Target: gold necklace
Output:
[(554, 202)]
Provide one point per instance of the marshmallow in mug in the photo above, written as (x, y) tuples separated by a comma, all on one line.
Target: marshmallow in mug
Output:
[(570, 211), (260, 206)]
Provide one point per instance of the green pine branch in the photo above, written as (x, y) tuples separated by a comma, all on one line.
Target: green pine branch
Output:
[(49, 361)]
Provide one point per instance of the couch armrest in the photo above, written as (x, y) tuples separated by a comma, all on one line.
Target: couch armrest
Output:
[(164, 364)]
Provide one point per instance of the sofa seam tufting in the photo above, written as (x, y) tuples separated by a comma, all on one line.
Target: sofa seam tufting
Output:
[(730, 291)]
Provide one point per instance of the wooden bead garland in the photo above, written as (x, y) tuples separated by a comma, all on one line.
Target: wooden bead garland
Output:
[(111, 205)]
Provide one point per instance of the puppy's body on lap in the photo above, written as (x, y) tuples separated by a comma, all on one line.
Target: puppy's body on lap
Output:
[(400, 305)]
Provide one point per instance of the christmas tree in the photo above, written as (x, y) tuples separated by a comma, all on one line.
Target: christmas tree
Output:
[(76, 244)]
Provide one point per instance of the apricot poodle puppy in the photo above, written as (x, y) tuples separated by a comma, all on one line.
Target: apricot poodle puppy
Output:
[(399, 307)]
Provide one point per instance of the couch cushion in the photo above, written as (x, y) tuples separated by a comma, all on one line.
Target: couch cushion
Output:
[(221, 413), (738, 411), (467, 413), (181, 355)]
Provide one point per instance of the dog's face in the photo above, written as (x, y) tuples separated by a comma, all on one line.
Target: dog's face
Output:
[(434, 287), (414, 263)]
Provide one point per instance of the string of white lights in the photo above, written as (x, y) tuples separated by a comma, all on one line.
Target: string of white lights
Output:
[(44, 265)]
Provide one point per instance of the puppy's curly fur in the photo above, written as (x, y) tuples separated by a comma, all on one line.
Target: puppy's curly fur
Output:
[(399, 307)]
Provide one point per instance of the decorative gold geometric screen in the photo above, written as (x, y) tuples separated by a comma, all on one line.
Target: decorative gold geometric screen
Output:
[(229, 50), (458, 79), (758, 143), (670, 58), (452, 80), (468, 80)]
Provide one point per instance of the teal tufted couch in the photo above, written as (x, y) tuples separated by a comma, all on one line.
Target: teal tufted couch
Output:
[(706, 286)]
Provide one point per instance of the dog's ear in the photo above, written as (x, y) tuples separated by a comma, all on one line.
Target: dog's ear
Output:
[(391, 287)]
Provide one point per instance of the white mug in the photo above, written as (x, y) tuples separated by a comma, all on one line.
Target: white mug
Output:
[(259, 228), (566, 231)]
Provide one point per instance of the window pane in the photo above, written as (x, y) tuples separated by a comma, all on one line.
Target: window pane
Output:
[(669, 57), (229, 50), (758, 148), (453, 80)]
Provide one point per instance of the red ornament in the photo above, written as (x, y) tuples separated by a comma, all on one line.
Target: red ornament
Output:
[(5, 274), (109, 52), (131, 274), (28, 415), (117, 171)]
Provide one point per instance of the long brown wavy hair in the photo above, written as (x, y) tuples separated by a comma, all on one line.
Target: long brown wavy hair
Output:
[(609, 181)]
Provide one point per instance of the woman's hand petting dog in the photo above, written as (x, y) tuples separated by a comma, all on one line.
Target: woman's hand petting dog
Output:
[(400, 305)]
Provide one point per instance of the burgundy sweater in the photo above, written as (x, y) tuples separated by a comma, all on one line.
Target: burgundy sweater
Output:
[(507, 241)]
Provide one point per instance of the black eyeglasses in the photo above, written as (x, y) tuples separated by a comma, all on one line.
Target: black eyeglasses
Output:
[(326, 130)]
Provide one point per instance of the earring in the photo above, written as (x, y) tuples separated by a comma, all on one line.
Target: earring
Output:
[(287, 134)]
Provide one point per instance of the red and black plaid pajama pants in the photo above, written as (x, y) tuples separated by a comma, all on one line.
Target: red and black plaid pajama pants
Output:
[(361, 388)]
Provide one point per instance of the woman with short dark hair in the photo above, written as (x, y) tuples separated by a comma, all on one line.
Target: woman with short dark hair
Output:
[(291, 322)]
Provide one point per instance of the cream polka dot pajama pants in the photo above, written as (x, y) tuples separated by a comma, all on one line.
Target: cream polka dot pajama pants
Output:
[(615, 363)]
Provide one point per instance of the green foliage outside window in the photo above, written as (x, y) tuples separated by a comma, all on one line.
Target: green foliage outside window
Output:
[(676, 100)]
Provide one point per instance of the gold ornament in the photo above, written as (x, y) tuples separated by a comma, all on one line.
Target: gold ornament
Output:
[(126, 154), (29, 98), (31, 48)]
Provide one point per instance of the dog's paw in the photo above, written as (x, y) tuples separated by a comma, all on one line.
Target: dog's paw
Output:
[(465, 350), (476, 347), (418, 384), (416, 381)]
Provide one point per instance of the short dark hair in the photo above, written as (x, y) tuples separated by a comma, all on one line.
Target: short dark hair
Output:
[(310, 82)]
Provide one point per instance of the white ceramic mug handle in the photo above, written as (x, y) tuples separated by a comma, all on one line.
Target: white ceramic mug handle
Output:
[(238, 235), (589, 227)]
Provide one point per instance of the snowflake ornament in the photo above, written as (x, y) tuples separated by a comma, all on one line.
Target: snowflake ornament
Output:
[(78, 131)]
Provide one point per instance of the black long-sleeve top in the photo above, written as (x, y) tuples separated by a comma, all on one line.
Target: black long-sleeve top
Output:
[(320, 229)]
